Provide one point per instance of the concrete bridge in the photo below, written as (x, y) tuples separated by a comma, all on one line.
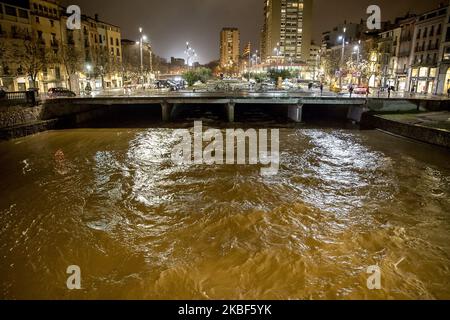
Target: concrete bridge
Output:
[(290, 104)]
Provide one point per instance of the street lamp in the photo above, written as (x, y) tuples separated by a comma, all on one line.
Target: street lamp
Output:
[(342, 56), (142, 39), (89, 68), (88, 85), (358, 54)]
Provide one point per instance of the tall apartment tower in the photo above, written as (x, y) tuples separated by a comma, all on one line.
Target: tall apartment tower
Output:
[(229, 47), (287, 29)]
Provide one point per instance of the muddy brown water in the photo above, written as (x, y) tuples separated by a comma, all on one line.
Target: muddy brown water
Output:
[(112, 202)]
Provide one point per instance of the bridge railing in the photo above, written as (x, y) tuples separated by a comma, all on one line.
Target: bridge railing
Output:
[(18, 97)]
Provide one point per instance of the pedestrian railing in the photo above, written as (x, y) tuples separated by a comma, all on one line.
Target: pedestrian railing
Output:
[(18, 97)]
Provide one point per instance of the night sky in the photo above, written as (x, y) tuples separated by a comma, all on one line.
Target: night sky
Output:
[(170, 23)]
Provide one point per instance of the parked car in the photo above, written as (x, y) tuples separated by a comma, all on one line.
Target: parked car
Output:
[(176, 85), (166, 84), (60, 92), (268, 85), (361, 90)]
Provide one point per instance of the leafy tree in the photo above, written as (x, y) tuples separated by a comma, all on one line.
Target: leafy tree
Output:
[(259, 77), (200, 74), (275, 74)]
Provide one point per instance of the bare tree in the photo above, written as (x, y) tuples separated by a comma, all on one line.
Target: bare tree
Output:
[(131, 66), (105, 64), (34, 56), (71, 59)]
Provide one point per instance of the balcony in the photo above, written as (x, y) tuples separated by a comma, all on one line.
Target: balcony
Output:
[(20, 35), (48, 15)]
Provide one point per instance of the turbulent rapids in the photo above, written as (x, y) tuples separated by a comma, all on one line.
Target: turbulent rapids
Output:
[(139, 227)]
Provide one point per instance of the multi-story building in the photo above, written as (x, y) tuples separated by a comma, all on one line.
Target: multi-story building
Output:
[(287, 30), (296, 29), (353, 33), (46, 24), (15, 28), (388, 50), (178, 65), (314, 62), (443, 84), (109, 59), (407, 26), (229, 48), (270, 35), (425, 56), (42, 53)]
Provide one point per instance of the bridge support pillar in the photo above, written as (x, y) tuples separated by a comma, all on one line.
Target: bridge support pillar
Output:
[(295, 112), (166, 109), (230, 111), (355, 113)]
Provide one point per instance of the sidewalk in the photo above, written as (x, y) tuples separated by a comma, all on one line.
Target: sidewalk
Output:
[(429, 127), (433, 120)]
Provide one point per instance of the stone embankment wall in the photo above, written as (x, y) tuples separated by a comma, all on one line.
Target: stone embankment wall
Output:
[(21, 120), (11, 116), (416, 132)]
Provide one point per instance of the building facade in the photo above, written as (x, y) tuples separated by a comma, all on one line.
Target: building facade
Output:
[(270, 35), (425, 59), (287, 30), (407, 26), (388, 50), (38, 51), (15, 28), (229, 48)]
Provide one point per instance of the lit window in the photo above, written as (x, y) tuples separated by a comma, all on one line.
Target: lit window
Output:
[(423, 72)]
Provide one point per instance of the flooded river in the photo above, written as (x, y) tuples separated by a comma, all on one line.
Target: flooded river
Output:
[(111, 202)]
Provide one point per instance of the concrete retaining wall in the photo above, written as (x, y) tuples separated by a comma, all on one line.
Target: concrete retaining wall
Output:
[(424, 134), (11, 116), (27, 129), (406, 105), (394, 105), (20, 120), (56, 110)]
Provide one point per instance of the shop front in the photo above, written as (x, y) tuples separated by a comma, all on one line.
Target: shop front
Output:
[(423, 80), (446, 84), (402, 82)]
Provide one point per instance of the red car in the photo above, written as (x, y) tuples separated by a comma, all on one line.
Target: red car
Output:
[(361, 90)]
